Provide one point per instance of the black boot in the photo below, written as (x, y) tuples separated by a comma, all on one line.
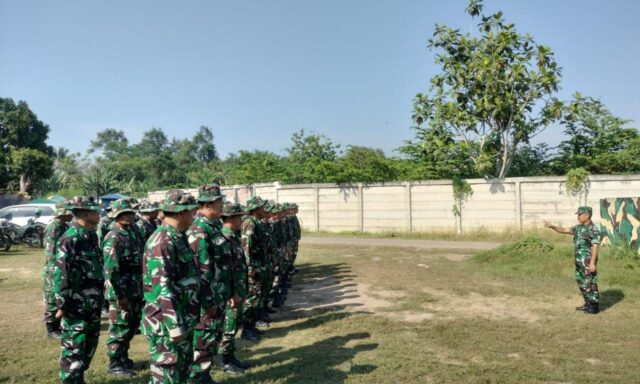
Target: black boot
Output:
[(228, 364), (239, 363), (268, 309), (264, 316), (118, 367), (592, 308), (249, 334), (127, 362), (203, 378), (583, 307), (53, 331)]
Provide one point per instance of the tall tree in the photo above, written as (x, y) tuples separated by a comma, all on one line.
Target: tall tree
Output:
[(310, 157), (363, 164), (494, 92), (597, 140), (24, 153)]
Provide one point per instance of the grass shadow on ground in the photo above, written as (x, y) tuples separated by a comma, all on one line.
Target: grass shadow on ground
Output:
[(609, 298), (326, 361)]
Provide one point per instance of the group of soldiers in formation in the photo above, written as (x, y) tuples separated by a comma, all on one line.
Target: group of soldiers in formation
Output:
[(187, 273)]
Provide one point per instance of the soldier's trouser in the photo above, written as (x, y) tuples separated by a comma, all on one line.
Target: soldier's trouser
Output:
[(169, 362), (587, 284), (123, 324), (277, 271), (267, 280), (50, 309), (205, 339), (79, 342), (252, 304), (229, 328), (294, 252)]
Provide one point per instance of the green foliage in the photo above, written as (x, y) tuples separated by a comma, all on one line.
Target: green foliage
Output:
[(365, 165), (576, 182), (438, 155), (462, 191), (530, 247), (97, 181), (25, 156), (494, 92), (597, 140), (310, 158)]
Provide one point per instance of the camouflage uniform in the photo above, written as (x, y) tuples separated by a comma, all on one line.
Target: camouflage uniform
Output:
[(253, 247), (103, 228), (146, 226), (52, 233), (171, 288), (78, 287), (239, 276), (269, 245), (212, 258), (122, 252), (584, 237), (297, 234)]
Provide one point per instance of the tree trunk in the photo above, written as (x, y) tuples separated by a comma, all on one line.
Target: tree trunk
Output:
[(25, 183)]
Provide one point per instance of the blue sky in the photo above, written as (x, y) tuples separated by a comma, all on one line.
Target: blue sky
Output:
[(257, 71)]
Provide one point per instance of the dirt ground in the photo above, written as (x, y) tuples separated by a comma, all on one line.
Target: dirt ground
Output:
[(387, 311)]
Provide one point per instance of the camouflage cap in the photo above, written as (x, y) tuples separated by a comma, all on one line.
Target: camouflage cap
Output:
[(134, 202), (255, 202), (121, 206), (584, 209), (209, 192), (177, 200), (231, 209), (63, 208), (148, 207), (84, 204)]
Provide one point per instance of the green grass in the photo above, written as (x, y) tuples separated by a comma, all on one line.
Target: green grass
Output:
[(387, 315), (481, 234)]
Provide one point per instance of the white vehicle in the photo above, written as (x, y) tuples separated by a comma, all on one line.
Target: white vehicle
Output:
[(21, 214)]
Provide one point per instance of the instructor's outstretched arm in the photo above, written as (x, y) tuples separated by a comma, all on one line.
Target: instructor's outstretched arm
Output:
[(563, 230)]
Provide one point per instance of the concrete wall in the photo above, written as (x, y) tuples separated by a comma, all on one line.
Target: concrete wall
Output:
[(513, 203)]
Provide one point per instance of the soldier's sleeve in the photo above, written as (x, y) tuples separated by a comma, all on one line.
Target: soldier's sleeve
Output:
[(111, 249), (161, 265), (61, 288), (595, 235), (222, 283), (247, 240), (240, 278), (206, 267)]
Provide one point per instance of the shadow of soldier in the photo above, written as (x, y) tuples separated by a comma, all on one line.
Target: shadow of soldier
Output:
[(325, 361), (609, 298)]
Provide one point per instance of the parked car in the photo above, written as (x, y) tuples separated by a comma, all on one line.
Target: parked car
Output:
[(20, 214)]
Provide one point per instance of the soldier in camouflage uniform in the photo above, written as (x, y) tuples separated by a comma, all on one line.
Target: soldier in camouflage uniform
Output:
[(52, 233), (171, 288), (78, 287), (253, 244), (122, 252), (147, 223), (297, 235), (586, 239), (278, 289), (232, 224), (104, 226), (213, 260), (269, 245)]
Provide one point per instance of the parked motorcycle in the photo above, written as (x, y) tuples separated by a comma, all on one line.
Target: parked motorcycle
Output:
[(31, 234), (5, 239)]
